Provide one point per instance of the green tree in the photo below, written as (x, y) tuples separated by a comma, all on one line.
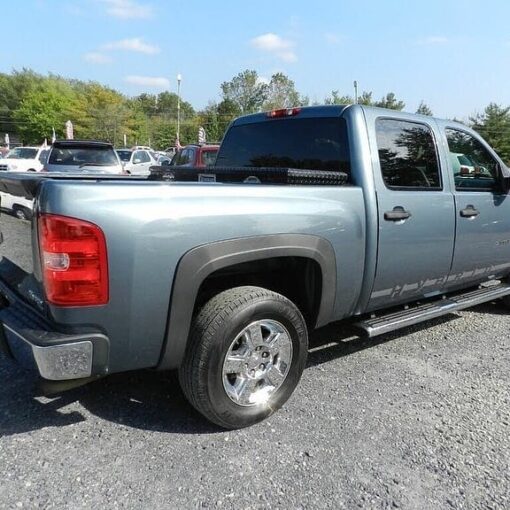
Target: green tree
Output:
[(424, 109), (48, 105), (365, 98), (494, 125), (245, 91), (102, 113), (281, 93), (390, 101), (210, 120), (13, 88)]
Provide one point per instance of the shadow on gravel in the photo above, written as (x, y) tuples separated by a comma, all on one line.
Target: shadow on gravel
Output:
[(20, 411), (492, 308), (147, 400), (339, 339)]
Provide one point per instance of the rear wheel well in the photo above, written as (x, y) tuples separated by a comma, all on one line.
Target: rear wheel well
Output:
[(299, 279)]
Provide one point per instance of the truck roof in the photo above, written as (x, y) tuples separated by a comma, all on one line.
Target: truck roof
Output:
[(81, 143), (330, 111)]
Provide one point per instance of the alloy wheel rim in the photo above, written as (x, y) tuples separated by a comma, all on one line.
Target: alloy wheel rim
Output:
[(257, 362)]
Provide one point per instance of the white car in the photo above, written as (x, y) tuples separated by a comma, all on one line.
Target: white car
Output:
[(21, 207), (136, 162), (24, 159)]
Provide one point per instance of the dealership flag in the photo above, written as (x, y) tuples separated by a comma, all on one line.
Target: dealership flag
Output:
[(69, 130), (201, 135)]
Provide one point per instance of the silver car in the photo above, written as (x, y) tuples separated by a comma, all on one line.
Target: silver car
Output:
[(83, 156)]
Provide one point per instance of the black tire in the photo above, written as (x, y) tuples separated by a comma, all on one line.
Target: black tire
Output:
[(214, 329), (22, 213)]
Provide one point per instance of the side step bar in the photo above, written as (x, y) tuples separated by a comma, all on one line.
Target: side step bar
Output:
[(385, 323)]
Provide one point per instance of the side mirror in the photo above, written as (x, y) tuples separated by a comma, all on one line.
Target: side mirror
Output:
[(504, 173)]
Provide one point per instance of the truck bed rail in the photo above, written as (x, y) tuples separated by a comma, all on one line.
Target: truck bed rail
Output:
[(249, 175)]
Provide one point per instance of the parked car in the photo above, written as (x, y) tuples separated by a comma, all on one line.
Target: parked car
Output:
[(316, 215), (170, 151), (24, 159), (83, 156), (21, 207), (137, 161), (195, 155)]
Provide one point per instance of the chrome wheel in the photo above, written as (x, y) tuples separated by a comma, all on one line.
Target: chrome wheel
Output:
[(257, 362)]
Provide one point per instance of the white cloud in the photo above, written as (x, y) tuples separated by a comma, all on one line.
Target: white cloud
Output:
[(276, 45), (127, 9), (148, 81), (95, 57), (433, 39), (135, 44)]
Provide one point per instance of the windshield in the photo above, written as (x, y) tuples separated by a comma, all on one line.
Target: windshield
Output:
[(124, 155), (22, 153), (83, 156), (309, 143)]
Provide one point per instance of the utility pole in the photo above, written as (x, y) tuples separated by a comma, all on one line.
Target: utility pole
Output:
[(179, 78), (355, 92)]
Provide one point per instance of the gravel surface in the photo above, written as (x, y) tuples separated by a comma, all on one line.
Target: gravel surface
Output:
[(415, 419)]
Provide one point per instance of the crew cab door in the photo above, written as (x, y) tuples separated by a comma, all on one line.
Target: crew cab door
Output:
[(416, 214), (482, 246)]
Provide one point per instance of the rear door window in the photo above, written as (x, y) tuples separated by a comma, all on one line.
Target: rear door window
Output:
[(407, 155)]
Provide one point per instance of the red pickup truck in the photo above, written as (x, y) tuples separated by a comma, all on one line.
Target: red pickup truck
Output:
[(195, 155)]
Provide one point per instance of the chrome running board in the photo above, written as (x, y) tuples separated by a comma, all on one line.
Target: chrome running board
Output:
[(390, 322)]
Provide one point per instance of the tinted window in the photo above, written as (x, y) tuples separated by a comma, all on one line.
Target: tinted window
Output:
[(473, 166), (209, 157), (124, 155), (407, 154), (43, 155), (144, 156), (22, 153), (83, 156), (315, 144)]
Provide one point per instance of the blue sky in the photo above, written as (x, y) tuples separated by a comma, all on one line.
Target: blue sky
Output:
[(453, 54)]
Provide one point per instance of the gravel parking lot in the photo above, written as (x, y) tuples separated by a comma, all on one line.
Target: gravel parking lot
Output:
[(415, 419)]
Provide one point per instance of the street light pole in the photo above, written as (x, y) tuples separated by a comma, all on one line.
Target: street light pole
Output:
[(355, 92), (179, 78)]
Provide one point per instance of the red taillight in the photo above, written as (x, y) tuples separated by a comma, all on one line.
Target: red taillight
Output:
[(74, 261), (284, 112)]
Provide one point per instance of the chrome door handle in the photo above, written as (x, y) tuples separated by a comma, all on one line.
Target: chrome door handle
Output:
[(469, 212), (398, 213)]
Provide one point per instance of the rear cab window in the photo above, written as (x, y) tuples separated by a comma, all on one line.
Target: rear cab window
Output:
[(82, 155), (303, 143)]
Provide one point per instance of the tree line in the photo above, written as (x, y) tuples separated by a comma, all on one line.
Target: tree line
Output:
[(32, 105)]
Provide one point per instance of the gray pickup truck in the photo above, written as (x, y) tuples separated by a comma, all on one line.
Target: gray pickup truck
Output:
[(310, 216)]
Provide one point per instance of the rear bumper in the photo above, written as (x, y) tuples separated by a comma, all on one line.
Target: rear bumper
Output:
[(54, 351)]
